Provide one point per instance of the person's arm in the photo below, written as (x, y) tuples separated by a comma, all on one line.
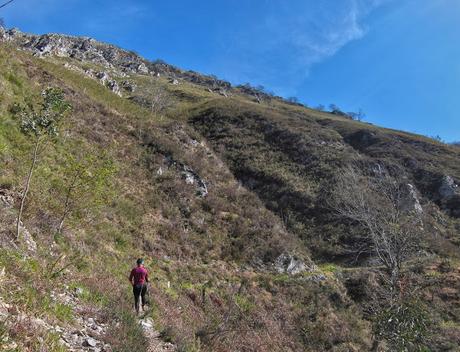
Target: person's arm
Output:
[(147, 276)]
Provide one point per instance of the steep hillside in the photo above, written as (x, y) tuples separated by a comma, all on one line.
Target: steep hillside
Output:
[(224, 191), (289, 157)]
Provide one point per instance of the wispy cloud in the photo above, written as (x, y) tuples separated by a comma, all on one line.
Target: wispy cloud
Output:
[(270, 42), (119, 17), (281, 47)]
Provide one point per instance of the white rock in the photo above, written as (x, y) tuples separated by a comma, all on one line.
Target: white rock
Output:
[(142, 69), (146, 323), (27, 239), (189, 179), (287, 263), (89, 341), (448, 187), (6, 201), (410, 201)]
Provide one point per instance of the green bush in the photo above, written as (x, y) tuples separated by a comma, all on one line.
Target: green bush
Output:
[(405, 326)]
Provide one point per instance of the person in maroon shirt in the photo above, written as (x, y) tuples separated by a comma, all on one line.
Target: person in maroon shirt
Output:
[(139, 278)]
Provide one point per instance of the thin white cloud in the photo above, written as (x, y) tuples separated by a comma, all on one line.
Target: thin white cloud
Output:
[(118, 17), (281, 48)]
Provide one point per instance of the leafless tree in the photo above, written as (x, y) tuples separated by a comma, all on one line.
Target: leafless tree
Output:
[(379, 203), (320, 107), (358, 116), (160, 99)]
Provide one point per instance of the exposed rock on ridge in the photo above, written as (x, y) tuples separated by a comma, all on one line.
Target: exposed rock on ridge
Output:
[(86, 49), (449, 195)]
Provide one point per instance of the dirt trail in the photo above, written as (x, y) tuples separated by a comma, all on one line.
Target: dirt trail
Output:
[(156, 344)]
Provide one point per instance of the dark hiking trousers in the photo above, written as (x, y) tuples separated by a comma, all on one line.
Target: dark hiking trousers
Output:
[(139, 290)]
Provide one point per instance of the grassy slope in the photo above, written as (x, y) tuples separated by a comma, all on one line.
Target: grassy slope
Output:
[(289, 157), (197, 245), (206, 249)]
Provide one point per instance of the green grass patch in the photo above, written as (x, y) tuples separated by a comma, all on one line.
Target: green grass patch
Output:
[(329, 268)]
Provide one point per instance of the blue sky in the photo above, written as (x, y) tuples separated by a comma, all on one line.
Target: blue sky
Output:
[(397, 60)]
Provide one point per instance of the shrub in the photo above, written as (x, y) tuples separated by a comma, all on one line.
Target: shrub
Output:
[(404, 326)]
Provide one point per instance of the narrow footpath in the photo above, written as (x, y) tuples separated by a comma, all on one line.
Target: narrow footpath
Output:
[(156, 344)]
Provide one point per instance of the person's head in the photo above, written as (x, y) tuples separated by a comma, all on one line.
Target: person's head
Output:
[(140, 262)]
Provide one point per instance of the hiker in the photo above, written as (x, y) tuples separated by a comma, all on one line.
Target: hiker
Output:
[(139, 278)]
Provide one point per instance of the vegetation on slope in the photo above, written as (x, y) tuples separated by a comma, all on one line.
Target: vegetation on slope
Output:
[(290, 160), (212, 249)]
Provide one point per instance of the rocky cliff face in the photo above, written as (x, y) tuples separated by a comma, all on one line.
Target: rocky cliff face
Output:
[(449, 195), (86, 49)]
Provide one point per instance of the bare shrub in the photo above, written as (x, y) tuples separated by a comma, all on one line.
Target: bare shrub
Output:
[(391, 232), (160, 99)]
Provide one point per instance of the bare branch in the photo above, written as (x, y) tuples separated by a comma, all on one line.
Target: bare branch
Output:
[(377, 204), (6, 3)]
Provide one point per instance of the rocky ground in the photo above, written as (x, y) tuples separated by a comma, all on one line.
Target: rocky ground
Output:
[(156, 344), (89, 332), (85, 333)]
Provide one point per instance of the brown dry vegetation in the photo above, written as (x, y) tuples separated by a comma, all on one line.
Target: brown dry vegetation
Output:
[(266, 167)]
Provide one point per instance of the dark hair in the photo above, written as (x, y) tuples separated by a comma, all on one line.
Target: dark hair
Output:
[(140, 261)]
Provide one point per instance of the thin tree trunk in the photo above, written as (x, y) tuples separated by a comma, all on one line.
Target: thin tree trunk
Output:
[(68, 201), (66, 210), (61, 223), (26, 189)]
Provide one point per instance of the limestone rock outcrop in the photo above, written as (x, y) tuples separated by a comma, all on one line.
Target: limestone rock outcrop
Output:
[(89, 50), (448, 194)]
